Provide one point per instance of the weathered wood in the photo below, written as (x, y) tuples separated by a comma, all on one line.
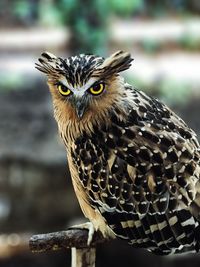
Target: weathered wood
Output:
[(64, 240), (84, 257), (76, 239)]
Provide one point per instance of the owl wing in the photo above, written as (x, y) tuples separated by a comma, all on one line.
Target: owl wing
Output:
[(142, 174), (159, 171)]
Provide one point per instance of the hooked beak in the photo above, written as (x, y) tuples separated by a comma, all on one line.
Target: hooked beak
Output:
[(80, 107)]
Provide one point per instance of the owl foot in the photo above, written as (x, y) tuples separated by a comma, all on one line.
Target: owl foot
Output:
[(88, 226)]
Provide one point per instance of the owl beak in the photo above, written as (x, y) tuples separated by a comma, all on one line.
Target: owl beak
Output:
[(80, 107)]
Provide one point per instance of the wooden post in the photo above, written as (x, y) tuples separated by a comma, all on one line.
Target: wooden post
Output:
[(76, 239), (84, 257)]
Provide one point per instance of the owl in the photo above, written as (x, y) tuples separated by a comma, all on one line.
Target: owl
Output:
[(134, 163)]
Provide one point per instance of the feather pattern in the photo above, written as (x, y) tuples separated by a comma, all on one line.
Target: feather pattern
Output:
[(142, 174), (134, 163)]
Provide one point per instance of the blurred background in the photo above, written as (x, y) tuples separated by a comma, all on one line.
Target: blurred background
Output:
[(36, 194)]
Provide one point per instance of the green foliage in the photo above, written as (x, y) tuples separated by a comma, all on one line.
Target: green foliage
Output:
[(8, 81), (76, 8), (133, 80), (174, 91), (150, 45), (49, 15), (87, 21), (22, 12), (190, 42), (21, 8), (171, 92), (54, 12), (126, 8), (17, 81), (118, 7)]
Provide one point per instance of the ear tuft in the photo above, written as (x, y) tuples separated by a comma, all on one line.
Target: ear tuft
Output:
[(48, 55), (49, 64), (117, 62)]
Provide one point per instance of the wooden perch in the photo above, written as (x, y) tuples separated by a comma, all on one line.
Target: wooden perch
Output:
[(76, 239), (63, 240)]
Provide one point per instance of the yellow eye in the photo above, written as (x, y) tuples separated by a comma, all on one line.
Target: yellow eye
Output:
[(64, 90), (97, 88)]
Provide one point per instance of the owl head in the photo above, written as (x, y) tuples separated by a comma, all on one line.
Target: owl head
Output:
[(84, 84)]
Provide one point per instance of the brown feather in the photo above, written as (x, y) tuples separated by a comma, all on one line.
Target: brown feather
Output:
[(134, 163)]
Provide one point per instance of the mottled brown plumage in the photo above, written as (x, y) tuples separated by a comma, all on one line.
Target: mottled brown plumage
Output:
[(134, 163)]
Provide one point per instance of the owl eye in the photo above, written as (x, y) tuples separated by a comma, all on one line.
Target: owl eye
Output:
[(63, 90), (97, 89)]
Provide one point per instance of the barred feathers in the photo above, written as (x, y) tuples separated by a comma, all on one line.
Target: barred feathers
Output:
[(134, 163), (142, 173)]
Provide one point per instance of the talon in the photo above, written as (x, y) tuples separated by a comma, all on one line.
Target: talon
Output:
[(90, 234), (88, 226)]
